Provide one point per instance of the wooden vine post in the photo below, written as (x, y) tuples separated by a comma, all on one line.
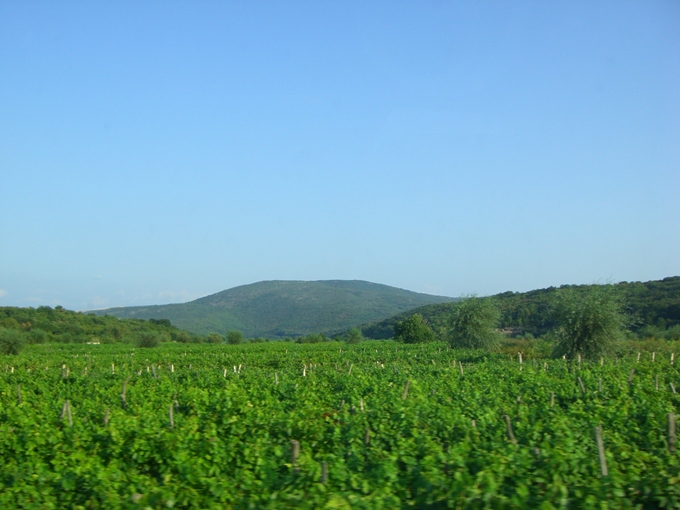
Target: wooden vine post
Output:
[(405, 393), (672, 438), (171, 415), (508, 424), (294, 454), (123, 398), (66, 413), (600, 451), (324, 472)]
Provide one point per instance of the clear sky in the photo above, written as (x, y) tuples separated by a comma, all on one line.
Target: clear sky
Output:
[(159, 151)]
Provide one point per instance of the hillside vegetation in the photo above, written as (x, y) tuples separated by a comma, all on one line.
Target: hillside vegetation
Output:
[(46, 325), (653, 307), (278, 309)]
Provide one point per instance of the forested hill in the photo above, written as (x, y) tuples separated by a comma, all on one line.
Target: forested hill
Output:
[(45, 325), (277, 309), (654, 307)]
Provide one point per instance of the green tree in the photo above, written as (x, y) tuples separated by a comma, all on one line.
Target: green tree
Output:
[(234, 337), (413, 330), (148, 339), (214, 338), (11, 341), (472, 324), (590, 323), (354, 336)]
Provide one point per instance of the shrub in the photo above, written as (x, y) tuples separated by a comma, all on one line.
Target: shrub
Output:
[(234, 337), (214, 338), (11, 341), (590, 323), (314, 338), (183, 337), (148, 339), (38, 336), (413, 330), (354, 336), (473, 324)]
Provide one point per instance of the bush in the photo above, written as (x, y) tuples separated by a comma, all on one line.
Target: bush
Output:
[(183, 337), (234, 337), (214, 338), (473, 324), (591, 324), (38, 336), (148, 339), (314, 338), (413, 330), (354, 336), (11, 341)]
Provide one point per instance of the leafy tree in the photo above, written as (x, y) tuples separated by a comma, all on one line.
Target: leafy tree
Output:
[(313, 338), (354, 336), (38, 336), (11, 341), (589, 323), (214, 338), (234, 337), (473, 324), (413, 330), (148, 339), (182, 336)]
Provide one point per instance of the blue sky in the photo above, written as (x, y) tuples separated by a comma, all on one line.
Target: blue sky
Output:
[(155, 152)]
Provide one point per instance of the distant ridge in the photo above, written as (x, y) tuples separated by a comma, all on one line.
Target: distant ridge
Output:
[(653, 306), (280, 308)]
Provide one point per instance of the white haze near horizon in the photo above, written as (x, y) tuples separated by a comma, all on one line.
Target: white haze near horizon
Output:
[(158, 152)]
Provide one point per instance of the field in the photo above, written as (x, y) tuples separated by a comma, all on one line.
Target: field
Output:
[(371, 425)]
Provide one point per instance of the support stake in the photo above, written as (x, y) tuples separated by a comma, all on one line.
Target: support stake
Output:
[(672, 438), (600, 451), (405, 393), (511, 436)]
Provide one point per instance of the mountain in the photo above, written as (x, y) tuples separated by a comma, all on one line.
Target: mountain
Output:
[(653, 306), (277, 309)]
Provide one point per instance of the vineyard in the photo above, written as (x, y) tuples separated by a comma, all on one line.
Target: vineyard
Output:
[(371, 425)]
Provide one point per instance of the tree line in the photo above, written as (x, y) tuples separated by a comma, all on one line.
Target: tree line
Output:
[(588, 324)]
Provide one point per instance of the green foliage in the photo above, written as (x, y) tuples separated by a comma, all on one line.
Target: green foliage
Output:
[(47, 325), (183, 337), (234, 337), (279, 309), (354, 336), (413, 330), (473, 324), (589, 324), (38, 336), (443, 445), (314, 338), (11, 341), (214, 338), (148, 339), (654, 308)]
